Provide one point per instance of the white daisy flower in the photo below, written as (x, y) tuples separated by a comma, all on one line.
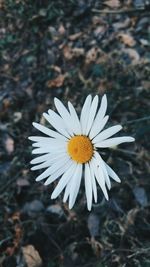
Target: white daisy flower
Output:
[(70, 149)]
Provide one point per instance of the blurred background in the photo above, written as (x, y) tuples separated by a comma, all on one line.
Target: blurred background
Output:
[(69, 49)]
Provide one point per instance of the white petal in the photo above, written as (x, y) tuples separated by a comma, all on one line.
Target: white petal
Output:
[(58, 173), (40, 138), (97, 127), (63, 181), (53, 168), (64, 114), (42, 165), (75, 119), (88, 186), (112, 174), (48, 149), (91, 114), (57, 122), (102, 110), (49, 162), (67, 190), (99, 176), (103, 167), (107, 133), (75, 185), (51, 142), (85, 113), (48, 131), (115, 141), (40, 159), (100, 115), (94, 187)]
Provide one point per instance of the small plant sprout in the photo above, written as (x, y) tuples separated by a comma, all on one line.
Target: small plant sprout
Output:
[(70, 149)]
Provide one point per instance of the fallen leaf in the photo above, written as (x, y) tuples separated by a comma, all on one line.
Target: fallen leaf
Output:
[(139, 3), (21, 182), (122, 24), (77, 52), (97, 20), (67, 51), (127, 39), (9, 145), (75, 36), (57, 82), (61, 29), (91, 55), (70, 53), (146, 85), (55, 210), (93, 224), (17, 116), (1, 4), (99, 31), (112, 3), (31, 256), (140, 196), (56, 68), (6, 103), (133, 54), (33, 208), (144, 42)]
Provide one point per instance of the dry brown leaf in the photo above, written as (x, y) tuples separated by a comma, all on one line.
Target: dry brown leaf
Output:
[(127, 39), (70, 53), (57, 82), (6, 103), (67, 51), (91, 55), (61, 29), (75, 36), (77, 52), (31, 256), (9, 145), (1, 4), (56, 68), (97, 20), (113, 3), (100, 30)]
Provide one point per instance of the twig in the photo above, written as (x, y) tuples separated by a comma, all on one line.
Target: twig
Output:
[(141, 251), (137, 120), (120, 11), (126, 151)]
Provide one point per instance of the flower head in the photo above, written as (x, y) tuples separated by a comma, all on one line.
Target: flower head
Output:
[(70, 149)]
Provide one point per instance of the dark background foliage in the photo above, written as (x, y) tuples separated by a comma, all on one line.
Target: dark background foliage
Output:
[(69, 49)]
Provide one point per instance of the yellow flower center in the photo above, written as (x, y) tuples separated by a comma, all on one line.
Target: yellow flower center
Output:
[(80, 148)]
